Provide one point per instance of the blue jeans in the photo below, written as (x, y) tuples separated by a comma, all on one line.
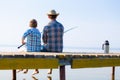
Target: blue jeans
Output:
[(43, 49)]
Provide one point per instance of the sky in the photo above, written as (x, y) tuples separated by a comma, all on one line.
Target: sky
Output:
[(96, 20)]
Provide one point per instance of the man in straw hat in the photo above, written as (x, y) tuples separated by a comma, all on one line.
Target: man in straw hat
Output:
[(53, 35)]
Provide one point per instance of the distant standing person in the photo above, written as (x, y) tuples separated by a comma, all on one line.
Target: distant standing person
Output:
[(33, 43), (53, 35), (105, 46)]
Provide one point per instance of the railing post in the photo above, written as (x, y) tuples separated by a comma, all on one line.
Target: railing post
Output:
[(62, 72), (14, 74)]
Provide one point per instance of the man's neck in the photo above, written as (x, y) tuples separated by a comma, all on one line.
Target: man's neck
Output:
[(53, 19)]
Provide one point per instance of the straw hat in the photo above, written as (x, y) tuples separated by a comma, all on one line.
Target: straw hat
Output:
[(52, 12)]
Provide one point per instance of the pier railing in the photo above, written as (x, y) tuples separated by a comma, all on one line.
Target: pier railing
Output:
[(40, 60)]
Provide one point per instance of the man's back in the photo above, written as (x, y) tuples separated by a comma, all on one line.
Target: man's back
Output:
[(53, 36)]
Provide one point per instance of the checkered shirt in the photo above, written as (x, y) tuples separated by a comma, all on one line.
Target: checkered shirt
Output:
[(33, 40), (53, 36)]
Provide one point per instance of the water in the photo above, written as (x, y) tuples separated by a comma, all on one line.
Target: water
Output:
[(103, 73)]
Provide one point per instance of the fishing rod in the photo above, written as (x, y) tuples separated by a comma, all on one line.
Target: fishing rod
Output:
[(41, 32), (20, 46), (70, 29)]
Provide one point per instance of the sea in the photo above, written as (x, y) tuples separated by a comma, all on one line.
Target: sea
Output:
[(101, 73)]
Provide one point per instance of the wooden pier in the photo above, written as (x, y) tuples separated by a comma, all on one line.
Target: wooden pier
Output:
[(40, 60)]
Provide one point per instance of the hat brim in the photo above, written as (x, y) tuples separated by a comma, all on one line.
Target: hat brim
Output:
[(53, 14)]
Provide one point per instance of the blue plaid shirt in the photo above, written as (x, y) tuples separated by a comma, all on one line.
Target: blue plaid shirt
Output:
[(33, 40), (53, 36)]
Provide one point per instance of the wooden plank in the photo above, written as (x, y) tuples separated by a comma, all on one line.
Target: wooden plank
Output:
[(96, 62), (28, 63)]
